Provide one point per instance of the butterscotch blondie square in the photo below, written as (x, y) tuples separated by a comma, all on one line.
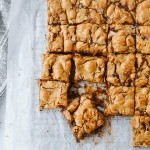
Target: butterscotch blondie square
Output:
[(121, 12), (143, 39), (141, 131), (121, 69), (142, 101), (90, 68), (56, 67), (121, 39), (120, 101), (83, 116), (142, 70), (53, 94), (142, 12)]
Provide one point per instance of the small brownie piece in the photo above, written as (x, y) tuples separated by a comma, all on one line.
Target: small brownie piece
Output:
[(142, 100), (61, 11), (89, 68), (121, 69), (121, 39), (83, 116), (61, 38), (56, 67), (141, 131), (142, 70), (120, 101), (143, 39), (53, 94), (91, 38), (121, 12), (143, 12)]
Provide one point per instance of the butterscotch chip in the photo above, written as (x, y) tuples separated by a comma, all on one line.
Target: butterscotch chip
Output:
[(56, 67), (53, 94), (142, 101), (83, 116), (142, 12), (121, 69), (143, 39), (120, 101), (142, 70), (89, 68), (121, 39), (141, 131), (121, 12)]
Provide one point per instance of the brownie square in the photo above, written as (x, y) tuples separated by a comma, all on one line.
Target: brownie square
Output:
[(53, 94), (83, 116), (121, 69), (120, 101), (141, 131), (89, 68), (121, 12), (143, 39), (142, 12), (142, 101), (56, 67), (142, 70), (121, 39)]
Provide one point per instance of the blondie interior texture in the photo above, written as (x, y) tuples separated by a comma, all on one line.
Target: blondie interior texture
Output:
[(83, 116), (142, 101), (53, 94), (56, 67), (142, 12), (141, 131), (142, 70), (143, 39), (121, 12), (121, 69), (61, 38), (90, 68), (121, 39)]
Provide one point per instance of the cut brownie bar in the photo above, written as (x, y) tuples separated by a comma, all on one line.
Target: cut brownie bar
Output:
[(143, 39), (142, 12), (53, 94), (142, 70), (91, 38), (121, 39), (121, 69), (83, 116), (120, 101), (56, 67), (141, 131), (89, 68), (121, 12), (61, 38), (142, 101)]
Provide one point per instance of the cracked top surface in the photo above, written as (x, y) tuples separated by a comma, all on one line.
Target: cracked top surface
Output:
[(121, 69), (56, 67), (53, 94), (141, 131), (121, 39), (120, 101), (83, 116), (89, 68)]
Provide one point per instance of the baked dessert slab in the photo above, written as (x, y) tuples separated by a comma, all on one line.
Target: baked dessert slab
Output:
[(83, 116), (53, 94), (141, 131), (143, 39), (88, 68), (121, 69), (120, 101), (56, 67), (121, 39)]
